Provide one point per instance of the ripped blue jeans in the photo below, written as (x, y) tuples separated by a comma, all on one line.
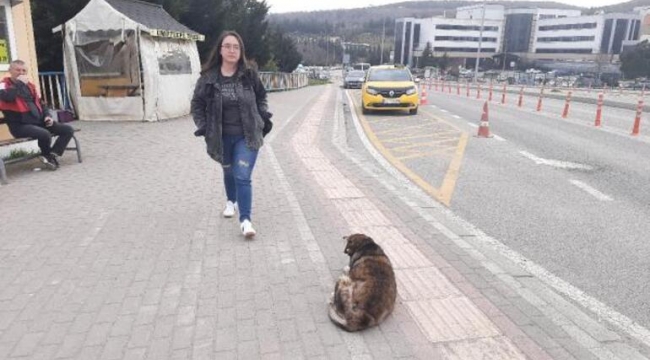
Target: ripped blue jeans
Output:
[(238, 163)]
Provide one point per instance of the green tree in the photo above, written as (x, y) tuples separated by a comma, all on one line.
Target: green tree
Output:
[(427, 56), (248, 18), (443, 62), (284, 52), (47, 14), (636, 61)]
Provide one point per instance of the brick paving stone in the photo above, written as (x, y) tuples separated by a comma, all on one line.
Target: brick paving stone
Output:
[(71, 345), (56, 333), (160, 348), (90, 352), (202, 349), (135, 354), (182, 337), (27, 344), (248, 350), (115, 347)]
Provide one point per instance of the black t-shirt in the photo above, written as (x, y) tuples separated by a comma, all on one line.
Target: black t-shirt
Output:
[(231, 116)]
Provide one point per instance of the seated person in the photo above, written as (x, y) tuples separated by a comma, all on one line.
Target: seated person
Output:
[(27, 116)]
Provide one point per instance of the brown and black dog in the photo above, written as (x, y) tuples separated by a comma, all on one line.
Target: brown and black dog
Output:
[(365, 294)]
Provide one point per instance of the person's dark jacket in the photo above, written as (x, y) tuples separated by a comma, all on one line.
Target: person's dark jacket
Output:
[(207, 109)]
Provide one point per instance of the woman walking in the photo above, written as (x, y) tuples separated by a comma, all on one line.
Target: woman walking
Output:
[(229, 107)]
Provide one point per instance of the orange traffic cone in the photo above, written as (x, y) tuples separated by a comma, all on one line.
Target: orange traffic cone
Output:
[(423, 98), (484, 126)]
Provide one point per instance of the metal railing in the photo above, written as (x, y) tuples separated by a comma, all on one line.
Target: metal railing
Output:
[(277, 81), (54, 90)]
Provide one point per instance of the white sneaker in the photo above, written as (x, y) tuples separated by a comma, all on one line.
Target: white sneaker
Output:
[(229, 211), (247, 229)]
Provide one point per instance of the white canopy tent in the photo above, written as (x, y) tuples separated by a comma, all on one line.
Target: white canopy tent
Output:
[(129, 60)]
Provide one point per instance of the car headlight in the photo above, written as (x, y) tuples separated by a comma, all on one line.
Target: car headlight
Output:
[(372, 91), (411, 91)]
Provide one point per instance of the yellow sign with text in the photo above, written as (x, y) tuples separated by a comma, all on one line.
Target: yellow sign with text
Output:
[(4, 52)]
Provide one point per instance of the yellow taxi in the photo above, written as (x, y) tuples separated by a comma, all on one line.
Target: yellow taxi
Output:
[(389, 87)]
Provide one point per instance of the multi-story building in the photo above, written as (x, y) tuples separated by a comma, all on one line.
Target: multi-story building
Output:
[(456, 37), (644, 17), (529, 33), (585, 37)]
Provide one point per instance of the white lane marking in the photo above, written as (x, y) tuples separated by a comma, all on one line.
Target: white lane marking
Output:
[(444, 111), (457, 117), (597, 194), (555, 163), (472, 125)]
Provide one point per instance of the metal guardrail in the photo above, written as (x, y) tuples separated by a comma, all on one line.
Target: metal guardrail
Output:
[(54, 90), (277, 81)]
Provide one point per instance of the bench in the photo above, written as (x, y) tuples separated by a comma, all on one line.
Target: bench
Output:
[(3, 163)]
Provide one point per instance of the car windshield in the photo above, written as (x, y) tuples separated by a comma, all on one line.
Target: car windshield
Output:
[(389, 75), (356, 74)]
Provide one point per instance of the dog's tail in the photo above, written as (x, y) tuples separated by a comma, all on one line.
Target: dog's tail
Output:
[(337, 318), (359, 322)]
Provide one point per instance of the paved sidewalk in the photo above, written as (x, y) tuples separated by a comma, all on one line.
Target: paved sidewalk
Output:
[(125, 256)]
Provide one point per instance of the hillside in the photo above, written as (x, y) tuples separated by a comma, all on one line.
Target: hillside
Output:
[(346, 22), (365, 25), (620, 8)]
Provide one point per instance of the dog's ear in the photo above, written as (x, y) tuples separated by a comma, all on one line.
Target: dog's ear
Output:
[(355, 242)]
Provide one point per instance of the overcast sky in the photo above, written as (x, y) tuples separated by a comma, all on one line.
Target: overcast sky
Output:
[(281, 6)]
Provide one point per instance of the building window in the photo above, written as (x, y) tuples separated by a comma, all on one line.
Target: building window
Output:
[(416, 36), (517, 32), (6, 36), (568, 27), (399, 32), (108, 63), (566, 39), (466, 27), (174, 62), (637, 26), (563, 51), (464, 38), (470, 50), (407, 44), (620, 30), (607, 33)]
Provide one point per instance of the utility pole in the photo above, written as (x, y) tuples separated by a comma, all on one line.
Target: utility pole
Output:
[(327, 49), (505, 52), (383, 34), (480, 41)]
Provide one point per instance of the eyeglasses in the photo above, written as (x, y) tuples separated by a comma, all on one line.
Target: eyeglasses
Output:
[(231, 47)]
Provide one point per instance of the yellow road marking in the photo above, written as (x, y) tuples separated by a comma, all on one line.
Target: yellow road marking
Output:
[(408, 138), (402, 129), (433, 144), (423, 154), (444, 193)]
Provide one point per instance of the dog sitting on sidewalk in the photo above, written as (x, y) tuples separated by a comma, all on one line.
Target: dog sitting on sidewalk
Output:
[(365, 294)]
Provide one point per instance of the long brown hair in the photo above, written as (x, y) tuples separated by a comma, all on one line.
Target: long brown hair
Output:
[(215, 59)]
